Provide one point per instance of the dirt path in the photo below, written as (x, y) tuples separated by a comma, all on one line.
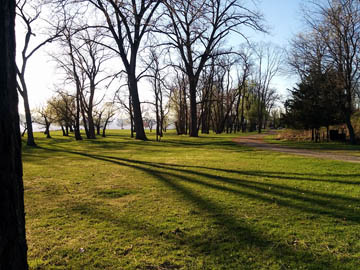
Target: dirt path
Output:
[(258, 142)]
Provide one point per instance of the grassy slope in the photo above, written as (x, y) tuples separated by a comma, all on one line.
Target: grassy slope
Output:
[(184, 203)]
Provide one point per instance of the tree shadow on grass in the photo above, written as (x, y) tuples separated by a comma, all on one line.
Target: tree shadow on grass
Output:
[(243, 236), (311, 177), (314, 202), (213, 143)]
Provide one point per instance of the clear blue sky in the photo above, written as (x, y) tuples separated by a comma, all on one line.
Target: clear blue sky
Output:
[(284, 19)]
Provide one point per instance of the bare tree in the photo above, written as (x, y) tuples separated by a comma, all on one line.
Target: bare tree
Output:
[(269, 60), (13, 248), (28, 13), (196, 29), (90, 58), (125, 103), (64, 108), (245, 61), (23, 124), (224, 94), (178, 101), (68, 62), (128, 22), (157, 76), (110, 111), (46, 116), (206, 85)]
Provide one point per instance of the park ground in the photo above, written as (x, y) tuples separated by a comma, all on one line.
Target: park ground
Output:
[(187, 203)]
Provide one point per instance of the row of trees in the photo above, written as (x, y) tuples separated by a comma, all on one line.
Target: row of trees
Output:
[(61, 111), (190, 33), (234, 92), (327, 60)]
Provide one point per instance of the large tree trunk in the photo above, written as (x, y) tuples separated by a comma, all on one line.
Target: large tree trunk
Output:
[(90, 118), (138, 122), (13, 248), (193, 108), (350, 128), (91, 126)]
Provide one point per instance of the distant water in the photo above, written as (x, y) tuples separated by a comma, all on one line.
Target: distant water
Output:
[(113, 125), (40, 128)]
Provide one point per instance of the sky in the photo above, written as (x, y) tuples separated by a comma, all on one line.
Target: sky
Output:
[(283, 18)]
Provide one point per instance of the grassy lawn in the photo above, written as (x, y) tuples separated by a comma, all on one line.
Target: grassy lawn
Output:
[(187, 203)]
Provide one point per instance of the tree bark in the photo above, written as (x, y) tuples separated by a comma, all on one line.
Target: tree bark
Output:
[(138, 122), (193, 108), (13, 248), (91, 126), (24, 94), (350, 129), (63, 130), (78, 136)]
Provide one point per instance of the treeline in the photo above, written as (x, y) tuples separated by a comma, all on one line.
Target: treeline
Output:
[(106, 50), (234, 92), (327, 59)]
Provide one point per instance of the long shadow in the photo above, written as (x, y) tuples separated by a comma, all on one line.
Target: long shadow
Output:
[(243, 233), (328, 204), (237, 181), (278, 175), (224, 145)]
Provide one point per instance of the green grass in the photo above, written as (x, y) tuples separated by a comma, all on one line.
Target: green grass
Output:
[(187, 203)]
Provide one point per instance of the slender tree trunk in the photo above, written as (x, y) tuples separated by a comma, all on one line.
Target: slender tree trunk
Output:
[(260, 124), (131, 118), (237, 107), (24, 94), (77, 118), (63, 130), (24, 131), (157, 117), (161, 116), (13, 248), (104, 129), (327, 134), (312, 134), (85, 122), (47, 131), (242, 117), (30, 138)]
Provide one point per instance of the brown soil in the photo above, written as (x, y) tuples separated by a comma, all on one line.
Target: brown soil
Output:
[(258, 142)]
